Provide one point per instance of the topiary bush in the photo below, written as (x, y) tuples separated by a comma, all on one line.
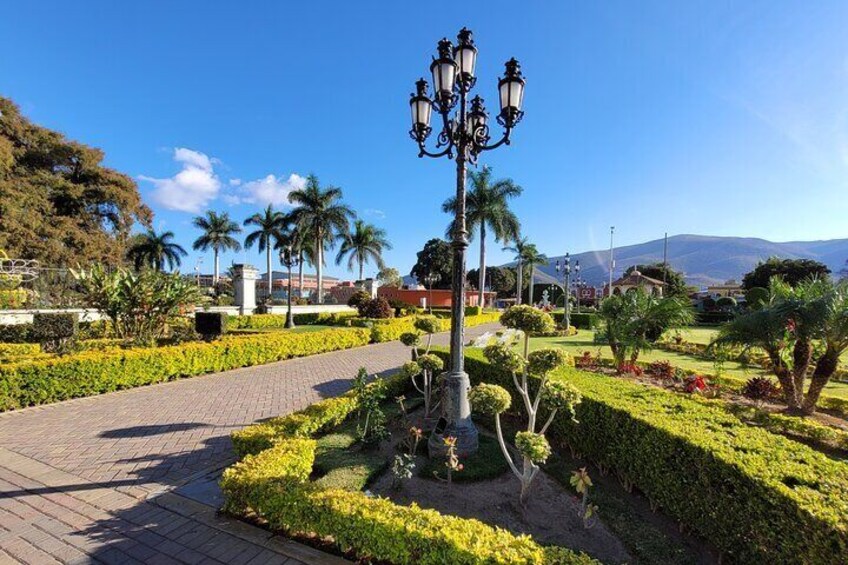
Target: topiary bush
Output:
[(55, 331), (376, 309), (210, 325)]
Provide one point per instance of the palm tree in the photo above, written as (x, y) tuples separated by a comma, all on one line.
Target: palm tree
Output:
[(519, 247), (270, 225), (218, 231), (788, 326), (155, 249), (486, 206), (366, 242), (532, 259), (320, 213)]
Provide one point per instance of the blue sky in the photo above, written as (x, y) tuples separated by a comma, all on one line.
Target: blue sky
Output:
[(718, 118)]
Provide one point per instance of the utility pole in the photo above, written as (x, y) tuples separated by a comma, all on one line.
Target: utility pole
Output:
[(665, 260), (611, 261)]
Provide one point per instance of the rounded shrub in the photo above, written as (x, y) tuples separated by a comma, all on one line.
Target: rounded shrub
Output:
[(528, 319), (533, 446), (410, 369), (427, 325), (502, 356), (377, 308), (358, 298), (430, 362), (560, 394), (543, 361), (489, 399), (410, 339)]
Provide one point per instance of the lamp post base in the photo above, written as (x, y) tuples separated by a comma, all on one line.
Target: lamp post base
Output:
[(456, 421)]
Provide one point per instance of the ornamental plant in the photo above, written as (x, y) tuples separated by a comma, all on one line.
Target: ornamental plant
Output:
[(553, 396), (371, 421), (581, 482), (760, 389), (426, 367)]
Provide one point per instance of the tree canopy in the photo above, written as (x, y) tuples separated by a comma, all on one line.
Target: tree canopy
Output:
[(792, 271), (675, 284), (499, 279), (58, 203), (436, 257)]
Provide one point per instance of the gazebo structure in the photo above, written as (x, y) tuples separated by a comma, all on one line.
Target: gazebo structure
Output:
[(633, 281)]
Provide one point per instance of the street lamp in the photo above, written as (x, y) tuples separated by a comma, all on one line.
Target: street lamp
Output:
[(430, 280), (464, 135), (566, 270), (289, 259)]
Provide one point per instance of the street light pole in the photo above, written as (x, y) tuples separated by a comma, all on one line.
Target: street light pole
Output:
[(431, 279), (463, 136), (566, 270), (288, 259)]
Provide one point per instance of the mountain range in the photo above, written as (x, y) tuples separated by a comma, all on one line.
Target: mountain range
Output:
[(703, 259)]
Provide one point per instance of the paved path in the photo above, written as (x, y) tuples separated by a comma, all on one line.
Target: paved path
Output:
[(109, 479)]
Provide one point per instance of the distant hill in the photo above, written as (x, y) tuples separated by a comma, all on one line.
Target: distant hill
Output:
[(703, 259)]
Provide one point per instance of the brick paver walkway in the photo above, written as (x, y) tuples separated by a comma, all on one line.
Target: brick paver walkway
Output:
[(92, 479)]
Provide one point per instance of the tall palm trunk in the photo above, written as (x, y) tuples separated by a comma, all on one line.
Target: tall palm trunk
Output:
[(300, 274), (268, 263), (319, 271), (520, 284), (215, 274), (482, 281), (530, 298), (361, 267)]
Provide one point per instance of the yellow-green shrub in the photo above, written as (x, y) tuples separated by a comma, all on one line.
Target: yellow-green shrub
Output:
[(756, 495), (266, 321), (95, 372), (392, 328)]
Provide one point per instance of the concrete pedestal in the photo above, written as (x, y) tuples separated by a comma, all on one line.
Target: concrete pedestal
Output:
[(244, 287)]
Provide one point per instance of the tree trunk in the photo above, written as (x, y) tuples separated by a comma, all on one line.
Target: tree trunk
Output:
[(215, 275), (520, 284), (825, 368), (361, 266), (319, 271), (268, 263), (784, 376), (300, 274), (482, 277), (802, 355), (530, 298)]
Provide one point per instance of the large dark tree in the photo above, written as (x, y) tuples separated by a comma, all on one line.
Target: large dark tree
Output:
[(58, 203), (487, 207), (498, 279), (792, 271), (675, 284), (436, 258)]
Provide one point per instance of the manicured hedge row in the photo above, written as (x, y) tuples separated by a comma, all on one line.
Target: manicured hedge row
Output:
[(756, 495), (581, 321), (264, 321), (273, 484), (96, 372), (390, 329)]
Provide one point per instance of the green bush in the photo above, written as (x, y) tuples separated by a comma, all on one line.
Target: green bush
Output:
[(270, 321), (210, 324), (96, 372), (16, 333), (757, 496), (55, 330), (581, 321), (272, 483)]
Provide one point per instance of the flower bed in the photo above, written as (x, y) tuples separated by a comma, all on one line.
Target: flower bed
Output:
[(273, 484), (95, 372), (756, 495)]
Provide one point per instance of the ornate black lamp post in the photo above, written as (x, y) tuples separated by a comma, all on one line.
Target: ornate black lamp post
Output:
[(430, 280), (464, 135), (566, 270), (289, 259)]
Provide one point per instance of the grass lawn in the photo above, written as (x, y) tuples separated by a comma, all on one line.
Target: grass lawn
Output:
[(583, 341)]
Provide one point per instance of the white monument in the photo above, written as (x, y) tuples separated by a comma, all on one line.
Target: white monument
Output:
[(244, 287)]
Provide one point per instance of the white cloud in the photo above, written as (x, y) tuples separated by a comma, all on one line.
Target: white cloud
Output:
[(270, 190), (235, 182), (191, 189), (374, 212)]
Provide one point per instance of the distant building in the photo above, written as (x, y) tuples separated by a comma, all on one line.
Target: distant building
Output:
[(730, 288), (280, 281), (633, 281), (437, 298)]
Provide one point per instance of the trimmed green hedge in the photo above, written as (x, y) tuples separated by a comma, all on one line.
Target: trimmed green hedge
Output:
[(273, 484), (756, 495), (264, 321), (581, 321), (96, 372), (390, 329)]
